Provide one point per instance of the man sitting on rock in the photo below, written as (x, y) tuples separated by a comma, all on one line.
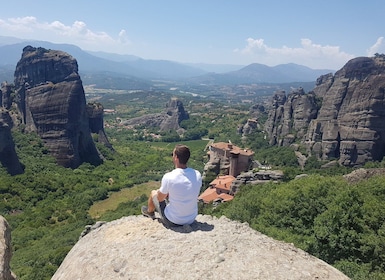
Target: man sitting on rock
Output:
[(181, 188)]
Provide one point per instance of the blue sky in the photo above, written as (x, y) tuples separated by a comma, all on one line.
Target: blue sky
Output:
[(318, 34)]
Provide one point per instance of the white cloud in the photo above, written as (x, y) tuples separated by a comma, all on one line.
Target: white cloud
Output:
[(23, 25), (123, 38), (312, 55), (57, 32), (378, 47)]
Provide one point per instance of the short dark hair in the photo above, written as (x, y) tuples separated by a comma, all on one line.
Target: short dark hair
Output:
[(182, 152)]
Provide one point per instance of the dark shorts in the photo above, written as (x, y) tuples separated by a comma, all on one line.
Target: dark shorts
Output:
[(160, 206)]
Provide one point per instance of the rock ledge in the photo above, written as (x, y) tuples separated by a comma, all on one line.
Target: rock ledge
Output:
[(136, 247)]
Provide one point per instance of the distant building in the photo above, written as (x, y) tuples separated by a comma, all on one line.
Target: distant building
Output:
[(219, 190), (109, 111), (233, 160)]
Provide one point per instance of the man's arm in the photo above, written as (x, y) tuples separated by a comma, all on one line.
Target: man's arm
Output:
[(161, 196)]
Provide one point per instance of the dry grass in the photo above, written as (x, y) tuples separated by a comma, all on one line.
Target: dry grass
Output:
[(128, 194)]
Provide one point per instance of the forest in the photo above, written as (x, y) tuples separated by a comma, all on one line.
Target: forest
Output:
[(49, 206)]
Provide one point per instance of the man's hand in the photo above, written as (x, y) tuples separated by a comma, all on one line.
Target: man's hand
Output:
[(161, 196)]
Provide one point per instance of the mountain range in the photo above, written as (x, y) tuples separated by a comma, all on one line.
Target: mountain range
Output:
[(131, 69)]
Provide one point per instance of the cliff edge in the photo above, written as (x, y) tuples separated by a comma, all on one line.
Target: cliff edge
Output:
[(136, 247)]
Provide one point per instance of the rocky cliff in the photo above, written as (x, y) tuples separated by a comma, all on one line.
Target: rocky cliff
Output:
[(5, 251), (95, 112), (8, 156), (342, 118), (51, 100), (169, 119), (136, 247), (290, 116)]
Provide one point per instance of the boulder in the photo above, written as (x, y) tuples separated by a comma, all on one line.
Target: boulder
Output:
[(363, 174), (137, 247)]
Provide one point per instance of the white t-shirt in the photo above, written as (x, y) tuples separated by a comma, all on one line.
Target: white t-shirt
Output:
[(183, 187)]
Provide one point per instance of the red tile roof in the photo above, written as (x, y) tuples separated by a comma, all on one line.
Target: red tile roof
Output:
[(219, 188), (226, 197), (233, 148), (208, 195), (223, 182)]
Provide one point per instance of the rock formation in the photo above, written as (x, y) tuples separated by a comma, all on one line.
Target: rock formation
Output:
[(249, 127), (5, 96), (342, 118), (8, 156), (290, 116), (136, 247), (170, 119), (5, 251), (252, 124), (95, 112), (360, 174), (176, 114), (52, 102)]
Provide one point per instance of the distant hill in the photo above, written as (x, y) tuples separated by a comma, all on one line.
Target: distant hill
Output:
[(132, 72), (149, 69), (115, 57), (113, 63), (216, 68), (260, 73)]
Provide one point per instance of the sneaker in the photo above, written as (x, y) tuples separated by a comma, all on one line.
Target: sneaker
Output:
[(146, 213)]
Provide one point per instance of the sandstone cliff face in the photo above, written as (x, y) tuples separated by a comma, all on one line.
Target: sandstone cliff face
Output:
[(136, 247), (52, 103), (8, 156), (95, 112), (5, 96), (349, 125), (175, 114), (290, 116)]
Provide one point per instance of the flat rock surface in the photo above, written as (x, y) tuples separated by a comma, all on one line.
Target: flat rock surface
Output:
[(136, 247)]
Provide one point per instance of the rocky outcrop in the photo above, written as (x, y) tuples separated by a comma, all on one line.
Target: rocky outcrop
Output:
[(252, 124), (350, 121), (95, 112), (254, 178), (290, 116), (249, 127), (176, 114), (342, 118), (275, 117), (136, 247), (5, 96), (170, 119), (8, 156), (363, 174), (5, 251), (52, 103)]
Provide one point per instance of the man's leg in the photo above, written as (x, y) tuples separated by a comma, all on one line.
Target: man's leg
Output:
[(160, 207), (150, 203), (148, 210)]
